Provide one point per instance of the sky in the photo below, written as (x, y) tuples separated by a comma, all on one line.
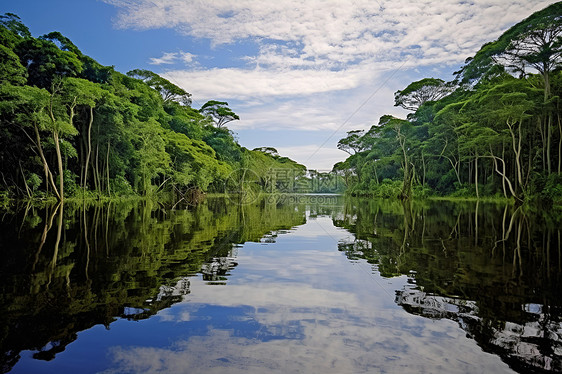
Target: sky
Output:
[(299, 73)]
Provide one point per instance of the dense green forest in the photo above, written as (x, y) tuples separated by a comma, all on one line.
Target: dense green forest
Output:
[(70, 127), (495, 130)]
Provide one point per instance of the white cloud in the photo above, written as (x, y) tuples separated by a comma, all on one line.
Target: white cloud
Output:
[(317, 61), (316, 121), (310, 46), (335, 32), (314, 156), (186, 57), (169, 58), (316, 331), (244, 84)]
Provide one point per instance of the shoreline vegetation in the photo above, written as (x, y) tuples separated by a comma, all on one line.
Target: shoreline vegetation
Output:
[(72, 129), (494, 130)]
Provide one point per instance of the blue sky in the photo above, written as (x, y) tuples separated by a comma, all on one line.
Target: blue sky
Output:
[(300, 73)]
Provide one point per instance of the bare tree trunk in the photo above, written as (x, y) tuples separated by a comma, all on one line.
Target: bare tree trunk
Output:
[(469, 172), (454, 165), (559, 145), (46, 169), (423, 165), (543, 140), (97, 170), (456, 168), (516, 145), (56, 140), (107, 169), (476, 177), (27, 189), (88, 147), (502, 173), (59, 162), (548, 141), (407, 185), (548, 120)]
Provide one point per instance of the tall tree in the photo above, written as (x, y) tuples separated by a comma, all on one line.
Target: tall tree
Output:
[(13, 23), (31, 109), (81, 94), (352, 143), (168, 90), (44, 61), (219, 112), (535, 42), (422, 91)]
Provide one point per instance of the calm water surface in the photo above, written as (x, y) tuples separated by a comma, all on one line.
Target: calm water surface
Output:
[(296, 285)]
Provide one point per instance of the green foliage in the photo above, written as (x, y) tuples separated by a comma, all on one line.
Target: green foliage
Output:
[(121, 186), (496, 134), (553, 189), (70, 185), (352, 143), (11, 70), (489, 56), (420, 92), (68, 121), (12, 23), (45, 61), (168, 90), (388, 189), (219, 112), (34, 181)]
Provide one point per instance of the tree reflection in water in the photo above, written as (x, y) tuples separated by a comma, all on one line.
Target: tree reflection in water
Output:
[(494, 269), (69, 267)]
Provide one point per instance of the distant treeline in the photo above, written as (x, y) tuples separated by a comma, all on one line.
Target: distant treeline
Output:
[(494, 130), (70, 127)]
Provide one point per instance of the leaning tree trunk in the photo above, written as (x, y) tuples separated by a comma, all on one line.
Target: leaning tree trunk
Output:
[(48, 175), (59, 163), (88, 147)]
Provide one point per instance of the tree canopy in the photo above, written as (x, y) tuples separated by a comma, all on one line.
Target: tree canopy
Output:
[(420, 92), (70, 126), (219, 112), (495, 130)]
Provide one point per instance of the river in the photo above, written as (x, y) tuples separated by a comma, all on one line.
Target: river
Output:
[(285, 284)]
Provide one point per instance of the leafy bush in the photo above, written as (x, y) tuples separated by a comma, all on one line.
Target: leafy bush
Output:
[(387, 189), (34, 181), (70, 186), (121, 186), (552, 190), (422, 192)]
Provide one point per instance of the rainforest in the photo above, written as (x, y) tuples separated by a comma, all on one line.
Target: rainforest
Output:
[(72, 128), (494, 130), (139, 235)]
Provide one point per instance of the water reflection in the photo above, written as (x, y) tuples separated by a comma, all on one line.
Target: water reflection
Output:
[(68, 268), (281, 286), (495, 270), (299, 306)]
